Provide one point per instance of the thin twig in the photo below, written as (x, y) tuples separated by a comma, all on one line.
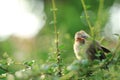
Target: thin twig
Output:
[(99, 15), (54, 15), (56, 39), (87, 17)]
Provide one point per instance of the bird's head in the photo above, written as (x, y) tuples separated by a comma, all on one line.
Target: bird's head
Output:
[(81, 36)]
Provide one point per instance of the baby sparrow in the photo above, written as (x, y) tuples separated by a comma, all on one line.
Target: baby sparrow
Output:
[(84, 44)]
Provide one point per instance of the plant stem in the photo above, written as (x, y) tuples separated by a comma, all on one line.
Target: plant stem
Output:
[(56, 39), (54, 15), (99, 16), (87, 17)]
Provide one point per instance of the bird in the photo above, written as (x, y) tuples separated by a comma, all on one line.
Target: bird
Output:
[(84, 44)]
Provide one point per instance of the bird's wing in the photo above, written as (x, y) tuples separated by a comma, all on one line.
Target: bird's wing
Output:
[(100, 47), (99, 50), (105, 49), (94, 49)]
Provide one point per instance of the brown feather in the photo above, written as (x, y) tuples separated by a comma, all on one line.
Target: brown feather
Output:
[(95, 48)]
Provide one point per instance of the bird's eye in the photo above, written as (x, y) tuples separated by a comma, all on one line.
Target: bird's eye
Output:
[(84, 36)]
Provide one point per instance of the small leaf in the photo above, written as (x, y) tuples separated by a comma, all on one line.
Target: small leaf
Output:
[(98, 54), (88, 6), (5, 55), (96, 61), (109, 55), (72, 67), (29, 63), (61, 47), (3, 76), (81, 17), (9, 61), (51, 22)]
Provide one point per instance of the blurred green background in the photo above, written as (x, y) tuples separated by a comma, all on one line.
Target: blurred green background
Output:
[(70, 19)]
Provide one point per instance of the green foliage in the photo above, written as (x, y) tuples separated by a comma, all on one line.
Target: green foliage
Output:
[(53, 57)]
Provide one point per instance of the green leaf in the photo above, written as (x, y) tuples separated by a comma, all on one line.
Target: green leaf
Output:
[(61, 47), (109, 55), (29, 63), (96, 61), (98, 54)]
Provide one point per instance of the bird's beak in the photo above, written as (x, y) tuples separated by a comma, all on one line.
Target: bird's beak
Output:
[(81, 40)]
